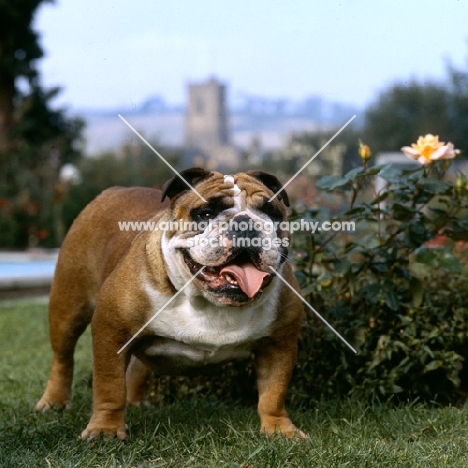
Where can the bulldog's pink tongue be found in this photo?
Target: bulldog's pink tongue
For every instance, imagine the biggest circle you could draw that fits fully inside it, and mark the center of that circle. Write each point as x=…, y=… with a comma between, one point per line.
x=247, y=276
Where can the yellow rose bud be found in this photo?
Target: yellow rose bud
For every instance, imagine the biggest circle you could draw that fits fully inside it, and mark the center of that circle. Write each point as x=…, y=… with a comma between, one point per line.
x=364, y=151
x=461, y=183
x=326, y=283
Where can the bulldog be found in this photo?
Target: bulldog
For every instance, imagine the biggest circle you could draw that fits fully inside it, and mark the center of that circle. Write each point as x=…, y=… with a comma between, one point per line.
x=196, y=285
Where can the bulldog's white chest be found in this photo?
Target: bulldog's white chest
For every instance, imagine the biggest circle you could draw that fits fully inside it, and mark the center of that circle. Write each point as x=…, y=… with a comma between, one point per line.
x=196, y=332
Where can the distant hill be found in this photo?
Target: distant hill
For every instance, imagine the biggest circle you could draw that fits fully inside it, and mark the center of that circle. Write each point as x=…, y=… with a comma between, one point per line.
x=272, y=121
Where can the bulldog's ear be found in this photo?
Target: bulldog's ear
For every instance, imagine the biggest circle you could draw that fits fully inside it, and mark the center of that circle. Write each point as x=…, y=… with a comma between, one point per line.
x=272, y=183
x=177, y=185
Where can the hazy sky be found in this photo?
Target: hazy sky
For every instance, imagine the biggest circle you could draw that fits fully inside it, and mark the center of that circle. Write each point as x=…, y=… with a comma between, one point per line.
x=109, y=53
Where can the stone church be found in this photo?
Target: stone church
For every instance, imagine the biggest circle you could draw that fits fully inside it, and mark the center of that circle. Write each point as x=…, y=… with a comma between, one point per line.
x=207, y=142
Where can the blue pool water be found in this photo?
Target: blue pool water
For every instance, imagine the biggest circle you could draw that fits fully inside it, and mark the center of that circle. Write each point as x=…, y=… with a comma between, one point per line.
x=33, y=269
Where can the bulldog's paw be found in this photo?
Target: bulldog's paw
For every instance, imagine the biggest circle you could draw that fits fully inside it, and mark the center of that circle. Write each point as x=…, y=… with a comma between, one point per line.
x=48, y=403
x=93, y=431
x=138, y=403
x=283, y=427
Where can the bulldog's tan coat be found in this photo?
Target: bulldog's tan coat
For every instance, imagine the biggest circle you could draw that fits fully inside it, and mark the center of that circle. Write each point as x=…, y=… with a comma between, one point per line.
x=119, y=280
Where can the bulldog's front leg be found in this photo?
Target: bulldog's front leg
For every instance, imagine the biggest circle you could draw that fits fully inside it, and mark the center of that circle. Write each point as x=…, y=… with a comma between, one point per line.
x=109, y=391
x=275, y=363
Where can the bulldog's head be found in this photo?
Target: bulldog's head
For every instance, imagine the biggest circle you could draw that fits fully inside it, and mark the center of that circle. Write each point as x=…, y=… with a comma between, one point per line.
x=234, y=234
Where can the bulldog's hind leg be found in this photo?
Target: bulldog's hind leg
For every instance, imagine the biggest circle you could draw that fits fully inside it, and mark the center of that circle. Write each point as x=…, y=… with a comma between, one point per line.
x=137, y=378
x=69, y=314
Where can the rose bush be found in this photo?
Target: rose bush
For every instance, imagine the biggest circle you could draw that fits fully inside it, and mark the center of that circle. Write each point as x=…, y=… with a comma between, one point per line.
x=396, y=289
x=402, y=303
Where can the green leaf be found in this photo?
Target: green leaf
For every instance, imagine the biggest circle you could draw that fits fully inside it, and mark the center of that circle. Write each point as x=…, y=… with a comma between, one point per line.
x=312, y=287
x=389, y=295
x=369, y=241
x=438, y=211
x=402, y=212
x=354, y=173
x=380, y=198
x=400, y=345
x=417, y=233
x=417, y=291
x=421, y=271
x=372, y=171
x=434, y=185
x=433, y=365
x=459, y=230
x=372, y=292
x=414, y=175
x=331, y=182
x=356, y=210
x=402, y=195
x=391, y=300
x=449, y=262
x=380, y=267
x=390, y=173
x=342, y=265
x=425, y=255
x=301, y=278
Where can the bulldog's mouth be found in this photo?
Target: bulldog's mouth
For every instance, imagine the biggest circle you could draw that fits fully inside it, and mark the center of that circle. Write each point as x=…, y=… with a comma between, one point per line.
x=239, y=277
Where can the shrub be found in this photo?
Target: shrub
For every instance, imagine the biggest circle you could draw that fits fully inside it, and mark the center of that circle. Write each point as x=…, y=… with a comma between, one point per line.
x=401, y=301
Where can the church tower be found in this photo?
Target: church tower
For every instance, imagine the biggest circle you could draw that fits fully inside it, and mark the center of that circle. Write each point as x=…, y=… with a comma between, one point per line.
x=206, y=128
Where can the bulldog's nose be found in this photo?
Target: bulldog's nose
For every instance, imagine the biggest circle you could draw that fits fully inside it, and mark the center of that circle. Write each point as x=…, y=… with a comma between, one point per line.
x=243, y=227
x=246, y=238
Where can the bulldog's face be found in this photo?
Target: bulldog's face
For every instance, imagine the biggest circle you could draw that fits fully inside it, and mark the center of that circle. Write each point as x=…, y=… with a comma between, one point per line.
x=235, y=234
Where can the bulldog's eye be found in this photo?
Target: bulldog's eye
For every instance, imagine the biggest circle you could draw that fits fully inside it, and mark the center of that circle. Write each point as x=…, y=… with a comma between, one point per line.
x=204, y=214
x=215, y=206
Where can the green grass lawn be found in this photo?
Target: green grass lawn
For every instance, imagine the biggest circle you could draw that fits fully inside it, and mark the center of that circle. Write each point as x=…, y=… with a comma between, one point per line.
x=202, y=434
